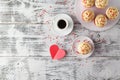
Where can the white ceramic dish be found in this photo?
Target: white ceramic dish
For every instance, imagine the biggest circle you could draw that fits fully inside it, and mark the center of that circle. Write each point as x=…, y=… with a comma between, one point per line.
x=79, y=8
x=79, y=40
x=66, y=31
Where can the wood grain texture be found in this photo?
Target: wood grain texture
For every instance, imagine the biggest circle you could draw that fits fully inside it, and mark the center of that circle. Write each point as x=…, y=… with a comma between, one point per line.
x=26, y=34
x=36, y=68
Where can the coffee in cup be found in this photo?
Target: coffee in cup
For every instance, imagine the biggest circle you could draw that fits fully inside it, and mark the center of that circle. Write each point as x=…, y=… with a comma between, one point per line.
x=62, y=24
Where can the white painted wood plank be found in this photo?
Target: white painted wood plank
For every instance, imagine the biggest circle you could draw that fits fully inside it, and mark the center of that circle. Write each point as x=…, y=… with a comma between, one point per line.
x=34, y=68
x=90, y=69
x=37, y=10
x=22, y=69
x=35, y=39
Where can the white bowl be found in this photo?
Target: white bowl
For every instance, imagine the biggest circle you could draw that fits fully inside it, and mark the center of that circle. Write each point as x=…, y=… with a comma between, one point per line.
x=76, y=43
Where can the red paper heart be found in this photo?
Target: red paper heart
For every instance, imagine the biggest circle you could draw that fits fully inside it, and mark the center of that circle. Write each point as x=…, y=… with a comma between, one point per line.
x=57, y=53
x=53, y=50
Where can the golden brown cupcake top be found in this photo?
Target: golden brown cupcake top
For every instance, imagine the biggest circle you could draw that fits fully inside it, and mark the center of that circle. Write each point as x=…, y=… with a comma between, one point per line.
x=100, y=20
x=88, y=15
x=101, y=3
x=84, y=48
x=88, y=3
x=112, y=13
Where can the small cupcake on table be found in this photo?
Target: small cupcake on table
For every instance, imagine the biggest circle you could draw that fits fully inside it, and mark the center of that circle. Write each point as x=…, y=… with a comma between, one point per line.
x=84, y=48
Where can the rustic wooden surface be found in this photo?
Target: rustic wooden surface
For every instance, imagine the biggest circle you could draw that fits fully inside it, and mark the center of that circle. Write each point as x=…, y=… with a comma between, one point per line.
x=25, y=37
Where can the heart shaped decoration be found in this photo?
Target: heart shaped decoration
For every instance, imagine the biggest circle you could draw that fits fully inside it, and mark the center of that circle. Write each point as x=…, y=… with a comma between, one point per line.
x=56, y=53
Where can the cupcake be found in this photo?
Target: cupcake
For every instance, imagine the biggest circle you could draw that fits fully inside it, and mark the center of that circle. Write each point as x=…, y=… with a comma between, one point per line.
x=100, y=20
x=88, y=15
x=84, y=48
x=88, y=3
x=112, y=13
x=101, y=3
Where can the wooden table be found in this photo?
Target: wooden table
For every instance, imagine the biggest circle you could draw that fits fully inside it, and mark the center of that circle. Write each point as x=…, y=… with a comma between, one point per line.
x=25, y=37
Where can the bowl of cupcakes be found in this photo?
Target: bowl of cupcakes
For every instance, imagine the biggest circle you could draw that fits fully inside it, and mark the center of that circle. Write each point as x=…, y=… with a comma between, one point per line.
x=97, y=15
x=83, y=46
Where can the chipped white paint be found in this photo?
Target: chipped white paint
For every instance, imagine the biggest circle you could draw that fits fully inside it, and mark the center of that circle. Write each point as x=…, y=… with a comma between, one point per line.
x=25, y=37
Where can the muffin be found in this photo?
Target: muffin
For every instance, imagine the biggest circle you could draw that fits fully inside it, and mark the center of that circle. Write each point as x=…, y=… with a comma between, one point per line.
x=88, y=3
x=88, y=15
x=84, y=48
x=101, y=3
x=112, y=13
x=100, y=20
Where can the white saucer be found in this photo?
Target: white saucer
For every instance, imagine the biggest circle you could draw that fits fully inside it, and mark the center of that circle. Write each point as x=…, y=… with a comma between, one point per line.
x=79, y=40
x=79, y=8
x=66, y=31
